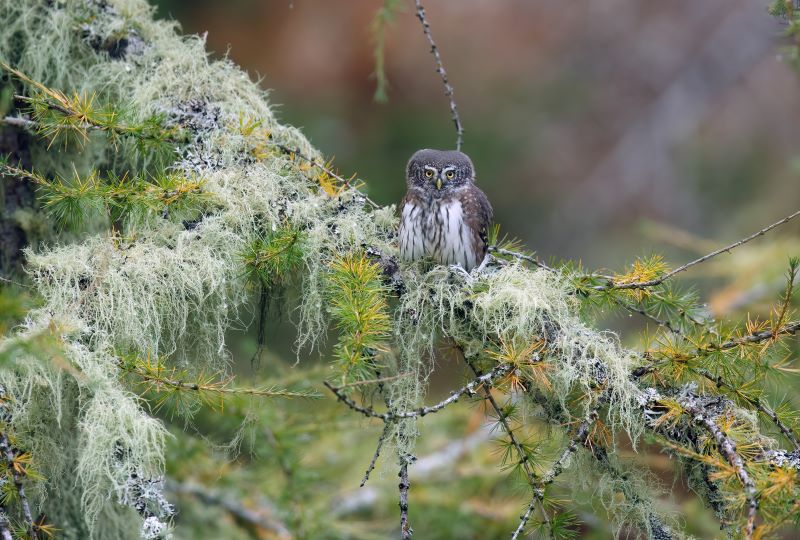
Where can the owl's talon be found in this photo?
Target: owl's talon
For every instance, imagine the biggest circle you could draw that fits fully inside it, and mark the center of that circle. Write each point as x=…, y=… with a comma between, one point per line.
x=458, y=269
x=481, y=267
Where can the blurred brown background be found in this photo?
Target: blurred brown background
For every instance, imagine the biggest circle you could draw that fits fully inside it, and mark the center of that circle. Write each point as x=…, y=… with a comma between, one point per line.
x=585, y=120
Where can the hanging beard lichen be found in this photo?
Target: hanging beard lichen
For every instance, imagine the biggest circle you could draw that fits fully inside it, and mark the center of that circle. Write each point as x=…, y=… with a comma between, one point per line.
x=171, y=276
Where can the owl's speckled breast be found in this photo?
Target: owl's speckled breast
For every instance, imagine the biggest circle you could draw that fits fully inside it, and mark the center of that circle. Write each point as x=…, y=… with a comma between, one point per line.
x=436, y=229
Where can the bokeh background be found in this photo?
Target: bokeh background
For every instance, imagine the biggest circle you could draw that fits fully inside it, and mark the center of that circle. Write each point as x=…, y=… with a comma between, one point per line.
x=601, y=131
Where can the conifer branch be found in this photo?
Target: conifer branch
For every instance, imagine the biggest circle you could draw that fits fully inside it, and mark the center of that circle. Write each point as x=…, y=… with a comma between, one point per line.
x=158, y=378
x=470, y=389
x=668, y=275
x=727, y=447
x=578, y=439
x=756, y=402
x=80, y=114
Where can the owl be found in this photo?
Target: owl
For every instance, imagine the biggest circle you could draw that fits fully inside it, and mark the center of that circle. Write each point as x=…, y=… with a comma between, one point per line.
x=444, y=215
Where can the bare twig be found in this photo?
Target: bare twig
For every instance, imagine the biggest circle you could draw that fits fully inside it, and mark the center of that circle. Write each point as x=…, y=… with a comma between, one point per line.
x=522, y=256
x=524, y=518
x=533, y=480
x=17, y=121
x=384, y=435
x=665, y=277
x=470, y=389
x=448, y=89
x=379, y=381
x=405, y=529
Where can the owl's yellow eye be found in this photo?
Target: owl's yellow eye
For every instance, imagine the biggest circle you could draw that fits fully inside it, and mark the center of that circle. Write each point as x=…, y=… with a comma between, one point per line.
x=450, y=175
x=428, y=173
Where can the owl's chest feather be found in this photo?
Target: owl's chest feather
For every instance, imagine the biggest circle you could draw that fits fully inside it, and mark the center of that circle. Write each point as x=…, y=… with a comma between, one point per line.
x=436, y=229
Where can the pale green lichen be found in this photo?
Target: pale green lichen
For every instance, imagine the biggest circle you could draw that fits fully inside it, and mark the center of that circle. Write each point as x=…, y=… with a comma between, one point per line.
x=514, y=302
x=161, y=289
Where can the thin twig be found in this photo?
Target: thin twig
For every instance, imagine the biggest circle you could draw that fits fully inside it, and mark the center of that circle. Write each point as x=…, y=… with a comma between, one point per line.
x=787, y=329
x=523, y=257
x=17, y=121
x=523, y=519
x=293, y=151
x=448, y=89
x=662, y=279
x=405, y=528
x=470, y=389
x=533, y=480
x=379, y=381
x=580, y=437
x=384, y=435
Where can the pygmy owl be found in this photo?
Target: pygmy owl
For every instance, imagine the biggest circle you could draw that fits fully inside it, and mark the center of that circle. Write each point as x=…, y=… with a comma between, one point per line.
x=444, y=215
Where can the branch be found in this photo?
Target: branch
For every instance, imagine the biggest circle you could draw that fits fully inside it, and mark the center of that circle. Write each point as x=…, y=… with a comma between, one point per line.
x=727, y=447
x=390, y=415
x=580, y=437
x=756, y=402
x=787, y=329
x=5, y=532
x=448, y=89
x=533, y=481
x=662, y=279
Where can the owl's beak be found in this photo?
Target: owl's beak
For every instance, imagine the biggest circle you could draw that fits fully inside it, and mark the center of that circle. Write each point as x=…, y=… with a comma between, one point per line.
x=439, y=182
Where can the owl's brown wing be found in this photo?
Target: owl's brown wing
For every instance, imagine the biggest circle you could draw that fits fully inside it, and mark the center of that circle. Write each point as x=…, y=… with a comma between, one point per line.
x=478, y=215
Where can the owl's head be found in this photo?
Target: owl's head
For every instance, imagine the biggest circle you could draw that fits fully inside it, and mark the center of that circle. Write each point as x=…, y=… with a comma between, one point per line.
x=439, y=171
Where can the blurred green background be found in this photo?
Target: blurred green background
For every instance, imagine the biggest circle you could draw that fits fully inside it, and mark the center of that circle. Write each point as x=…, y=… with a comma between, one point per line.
x=600, y=130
